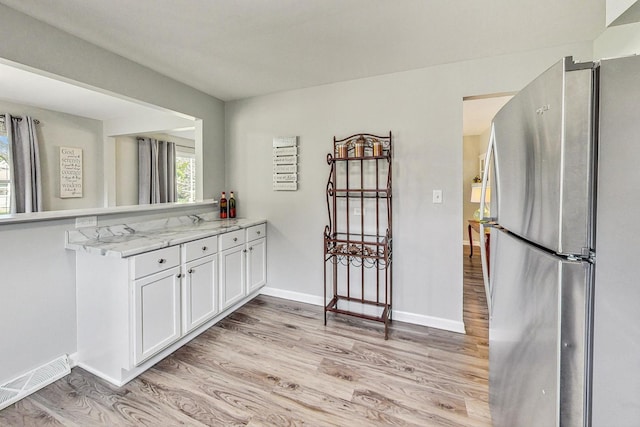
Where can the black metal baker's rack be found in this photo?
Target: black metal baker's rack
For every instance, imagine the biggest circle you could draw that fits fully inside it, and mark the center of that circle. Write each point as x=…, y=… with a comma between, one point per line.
x=358, y=239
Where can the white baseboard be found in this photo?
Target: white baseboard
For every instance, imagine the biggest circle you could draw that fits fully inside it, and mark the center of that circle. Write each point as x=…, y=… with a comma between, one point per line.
x=73, y=360
x=430, y=321
x=102, y=375
x=292, y=296
x=402, y=316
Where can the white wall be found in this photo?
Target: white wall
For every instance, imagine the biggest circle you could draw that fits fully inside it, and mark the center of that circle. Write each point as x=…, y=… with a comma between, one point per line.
x=423, y=109
x=622, y=40
x=615, y=8
x=65, y=130
x=37, y=288
x=37, y=296
x=472, y=147
x=126, y=170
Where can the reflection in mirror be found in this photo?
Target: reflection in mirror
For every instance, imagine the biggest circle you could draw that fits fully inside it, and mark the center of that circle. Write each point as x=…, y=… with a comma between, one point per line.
x=21, y=156
x=5, y=172
x=57, y=129
x=102, y=126
x=127, y=166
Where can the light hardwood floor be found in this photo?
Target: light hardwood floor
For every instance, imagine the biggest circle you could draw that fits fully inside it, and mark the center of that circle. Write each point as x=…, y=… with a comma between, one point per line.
x=273, y=362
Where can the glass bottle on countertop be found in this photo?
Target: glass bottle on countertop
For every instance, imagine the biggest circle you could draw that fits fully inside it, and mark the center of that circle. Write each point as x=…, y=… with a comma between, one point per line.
x=232, y=206
x=223, y=206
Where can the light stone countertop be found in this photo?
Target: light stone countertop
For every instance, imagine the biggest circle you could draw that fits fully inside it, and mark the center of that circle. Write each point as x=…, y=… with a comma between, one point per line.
x=124, y=240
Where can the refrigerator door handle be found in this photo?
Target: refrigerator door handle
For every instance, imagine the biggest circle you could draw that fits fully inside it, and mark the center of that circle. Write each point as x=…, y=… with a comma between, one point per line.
x=485, y=176
x=484, y=220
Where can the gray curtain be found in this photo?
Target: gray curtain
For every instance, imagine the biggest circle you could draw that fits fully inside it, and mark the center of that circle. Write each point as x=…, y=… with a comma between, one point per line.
x=156, y=171
x=26, y=186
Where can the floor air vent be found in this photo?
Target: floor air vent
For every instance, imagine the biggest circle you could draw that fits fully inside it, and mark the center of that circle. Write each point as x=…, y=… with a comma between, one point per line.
x=33, y=381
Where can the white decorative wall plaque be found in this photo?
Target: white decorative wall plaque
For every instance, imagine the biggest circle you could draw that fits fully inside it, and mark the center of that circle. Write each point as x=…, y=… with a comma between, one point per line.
x=285, y=168
x=70, y=172
x=285, y=186
x=285, y=160
x=285, y=177
x=285, y=163
x=285, y=151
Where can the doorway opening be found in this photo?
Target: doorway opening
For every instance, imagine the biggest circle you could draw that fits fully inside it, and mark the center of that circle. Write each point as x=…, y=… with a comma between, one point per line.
x=478, y=112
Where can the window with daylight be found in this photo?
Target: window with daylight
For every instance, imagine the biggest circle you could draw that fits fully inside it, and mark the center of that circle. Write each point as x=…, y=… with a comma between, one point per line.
x=185, y=174
x=5, y=172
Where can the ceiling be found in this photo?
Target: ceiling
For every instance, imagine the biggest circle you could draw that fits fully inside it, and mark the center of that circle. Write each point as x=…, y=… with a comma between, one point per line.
x=477, y=113
x=240, y=48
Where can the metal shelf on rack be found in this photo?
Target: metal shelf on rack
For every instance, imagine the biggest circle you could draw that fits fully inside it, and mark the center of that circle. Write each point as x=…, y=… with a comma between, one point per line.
x=371, y=310
x=342, y=245
x=344, y=159
x=365, y=194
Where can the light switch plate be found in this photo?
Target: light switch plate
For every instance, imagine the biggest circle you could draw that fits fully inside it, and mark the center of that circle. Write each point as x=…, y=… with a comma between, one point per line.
x=437, y=196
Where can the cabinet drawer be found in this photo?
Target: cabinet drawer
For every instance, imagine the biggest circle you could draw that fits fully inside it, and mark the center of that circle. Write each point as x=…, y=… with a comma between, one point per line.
x=229, y=240
x=200, y=248
x=256, y=232
x=155, y=261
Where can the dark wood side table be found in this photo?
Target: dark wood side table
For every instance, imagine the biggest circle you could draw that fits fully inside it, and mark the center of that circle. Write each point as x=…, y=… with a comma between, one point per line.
x=475, y=225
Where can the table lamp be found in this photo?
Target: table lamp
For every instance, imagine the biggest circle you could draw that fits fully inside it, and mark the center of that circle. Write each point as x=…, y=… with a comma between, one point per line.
x=476, y=193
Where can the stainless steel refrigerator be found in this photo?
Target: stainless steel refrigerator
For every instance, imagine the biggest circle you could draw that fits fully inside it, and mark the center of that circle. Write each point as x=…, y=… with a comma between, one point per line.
x=564, y=288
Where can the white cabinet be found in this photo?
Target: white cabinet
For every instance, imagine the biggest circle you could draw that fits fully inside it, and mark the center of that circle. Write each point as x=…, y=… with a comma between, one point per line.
x=133, y=311
x=156, y=319
x=128, y=310
x=200, y=283
x=243, y=263
x=232, y=275
x=256, y=264
x=156, y=301
x=154, y=261
x=256, y=232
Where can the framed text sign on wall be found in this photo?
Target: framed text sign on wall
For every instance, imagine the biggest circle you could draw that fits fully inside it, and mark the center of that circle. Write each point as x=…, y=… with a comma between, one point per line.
x=285, y=163
x=70, y=172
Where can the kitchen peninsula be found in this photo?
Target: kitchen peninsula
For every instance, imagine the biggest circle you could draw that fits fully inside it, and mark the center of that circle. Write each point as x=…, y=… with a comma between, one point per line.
x=145, y=289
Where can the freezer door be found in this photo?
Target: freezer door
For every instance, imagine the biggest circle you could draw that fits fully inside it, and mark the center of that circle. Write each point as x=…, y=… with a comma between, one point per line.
x=543, y=153
x=538, y=336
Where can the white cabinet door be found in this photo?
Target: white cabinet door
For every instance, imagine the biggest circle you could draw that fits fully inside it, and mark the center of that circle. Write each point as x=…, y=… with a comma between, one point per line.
x=256, y=264
x=200, y=292
x=232, y=275
x=156, y=319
